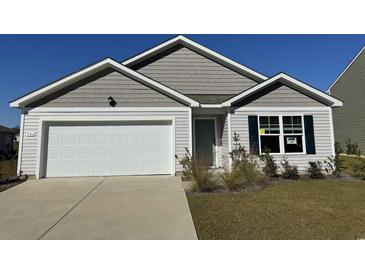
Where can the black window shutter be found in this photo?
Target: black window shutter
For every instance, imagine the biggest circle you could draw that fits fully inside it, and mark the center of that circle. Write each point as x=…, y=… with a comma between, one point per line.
x=310, y=143
x=253, y=135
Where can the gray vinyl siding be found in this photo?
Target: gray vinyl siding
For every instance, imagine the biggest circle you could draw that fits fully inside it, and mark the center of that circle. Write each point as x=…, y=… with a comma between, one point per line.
x=349, y=120
x=32, y=123
x=322, y=133
x=94, y=93
x=191, y=73
x=280, y=96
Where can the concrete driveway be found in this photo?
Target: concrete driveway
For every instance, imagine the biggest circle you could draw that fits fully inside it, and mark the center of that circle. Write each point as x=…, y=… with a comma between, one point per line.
x=138, y=207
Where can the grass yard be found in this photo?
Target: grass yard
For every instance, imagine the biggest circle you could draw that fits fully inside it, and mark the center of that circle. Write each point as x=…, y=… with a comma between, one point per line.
x=329, y=209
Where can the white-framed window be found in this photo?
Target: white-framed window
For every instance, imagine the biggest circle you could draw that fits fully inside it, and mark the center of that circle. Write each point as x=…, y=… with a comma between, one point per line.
x=269, y=134
x=281, y=134
x=293, y=134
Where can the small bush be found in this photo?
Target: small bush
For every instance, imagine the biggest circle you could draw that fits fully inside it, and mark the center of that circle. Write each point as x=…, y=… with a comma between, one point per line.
x=186, y=163
x=289, y=171
x=249, y=174
x=334, y=164
x=359, y=170
x=352, y=148
x=202, y=177
x=315, y=170
x=238, y=153
x=230, y=179
x=198, y=172
x=270, y=168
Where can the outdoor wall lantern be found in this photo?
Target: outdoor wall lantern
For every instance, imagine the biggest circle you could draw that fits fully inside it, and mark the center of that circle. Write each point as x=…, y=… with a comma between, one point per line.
x=111, y=101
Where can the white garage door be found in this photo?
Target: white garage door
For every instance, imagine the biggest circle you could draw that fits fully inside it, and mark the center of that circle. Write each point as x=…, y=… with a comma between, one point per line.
x=109, y=149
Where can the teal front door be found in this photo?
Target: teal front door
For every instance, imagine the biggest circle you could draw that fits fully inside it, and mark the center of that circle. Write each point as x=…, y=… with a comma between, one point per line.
x=205, y=141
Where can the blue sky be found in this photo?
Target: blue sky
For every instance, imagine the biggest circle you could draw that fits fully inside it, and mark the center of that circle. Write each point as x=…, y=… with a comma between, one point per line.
x=28, y=62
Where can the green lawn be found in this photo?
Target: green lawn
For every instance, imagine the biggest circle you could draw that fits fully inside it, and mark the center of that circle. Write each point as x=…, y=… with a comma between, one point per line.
x=288, y=210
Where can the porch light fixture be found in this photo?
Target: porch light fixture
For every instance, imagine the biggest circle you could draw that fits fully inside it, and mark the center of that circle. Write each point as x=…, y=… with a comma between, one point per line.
x=111, y=101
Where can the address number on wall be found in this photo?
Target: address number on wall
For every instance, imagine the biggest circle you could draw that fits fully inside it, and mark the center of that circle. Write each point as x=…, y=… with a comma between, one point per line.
x=30, y=133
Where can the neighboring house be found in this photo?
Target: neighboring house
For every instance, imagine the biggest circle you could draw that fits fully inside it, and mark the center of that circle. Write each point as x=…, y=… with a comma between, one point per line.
x=7, y=138
x=132, y=118
x=349, y=121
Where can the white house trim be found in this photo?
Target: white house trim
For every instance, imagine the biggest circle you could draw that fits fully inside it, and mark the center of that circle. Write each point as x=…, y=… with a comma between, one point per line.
x=20, y=148
x=108, y=109
x=191, y=131
x=106, y=63
x=286, y=79
x=200, y=49
x=211, y=105
x=281, y=134
x=229, y=138
x=255, y=109
x=44, y=120
x=345, y=69
x=332, y=133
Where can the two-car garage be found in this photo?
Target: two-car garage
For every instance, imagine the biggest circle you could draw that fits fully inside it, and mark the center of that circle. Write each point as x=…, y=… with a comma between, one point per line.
x=82, y=148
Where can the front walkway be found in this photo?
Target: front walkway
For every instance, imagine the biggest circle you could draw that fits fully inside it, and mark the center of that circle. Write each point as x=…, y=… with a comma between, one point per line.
x=138, y=207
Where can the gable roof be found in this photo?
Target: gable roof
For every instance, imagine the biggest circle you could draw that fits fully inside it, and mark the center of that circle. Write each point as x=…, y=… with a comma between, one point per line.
x=182, y=40
x=290, y=81
x=106, y=63
x=346, y=68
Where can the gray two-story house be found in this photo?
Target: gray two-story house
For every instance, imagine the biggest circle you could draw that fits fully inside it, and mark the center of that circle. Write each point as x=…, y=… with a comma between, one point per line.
x=349, y=87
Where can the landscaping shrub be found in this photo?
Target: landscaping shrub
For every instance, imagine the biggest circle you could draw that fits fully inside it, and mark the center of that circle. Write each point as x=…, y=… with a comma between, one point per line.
x=198, y=173
x=334, y=164
x=270, y=168
x=352, y=148
x=249, y=173
x=359, y=170
x=238, y=153
x=186, y=163
x=230, y=179
x=203, y=178
x=315, y=170
x=289, y=171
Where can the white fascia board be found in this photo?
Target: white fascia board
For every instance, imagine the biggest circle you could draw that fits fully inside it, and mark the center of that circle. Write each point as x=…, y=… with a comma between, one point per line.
x=93, y=69
x=211, y=106
x=199, y=48
x=290, y=80
x=345, y=69
x=106, y=109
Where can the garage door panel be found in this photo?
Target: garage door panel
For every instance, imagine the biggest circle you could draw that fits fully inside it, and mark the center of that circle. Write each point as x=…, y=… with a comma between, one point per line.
x=68, y=168
x=101, y=167
x=101, y=152
x=86, y=139
x=85, y=153
x=115, y=149
x=85, y=167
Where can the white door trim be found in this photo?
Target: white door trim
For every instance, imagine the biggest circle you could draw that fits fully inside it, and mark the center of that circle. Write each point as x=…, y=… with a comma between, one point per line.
x=215, y=164
x=40, y=172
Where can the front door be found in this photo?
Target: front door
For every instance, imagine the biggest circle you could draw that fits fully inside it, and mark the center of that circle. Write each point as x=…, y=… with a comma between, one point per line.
x=205, y=141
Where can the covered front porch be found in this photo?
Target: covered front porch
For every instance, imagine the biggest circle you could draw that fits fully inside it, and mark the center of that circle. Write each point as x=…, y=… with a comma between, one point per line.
x=210, y=136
